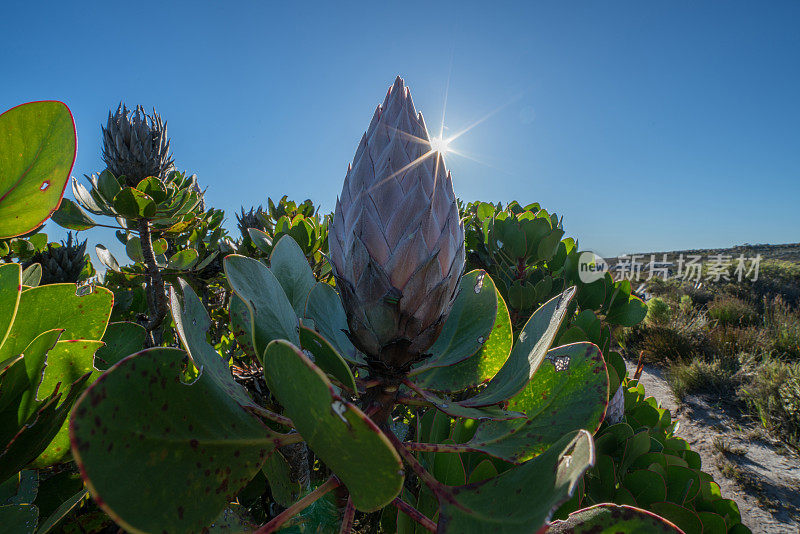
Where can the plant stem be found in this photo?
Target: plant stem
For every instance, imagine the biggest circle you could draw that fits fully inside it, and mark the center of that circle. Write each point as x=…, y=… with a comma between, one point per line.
x=349, y=516
x=437, y=447
x=158, y=301
x=435, y=486
x=414, y=514
x=412, y=401
x=299, y=506
x=272, y=416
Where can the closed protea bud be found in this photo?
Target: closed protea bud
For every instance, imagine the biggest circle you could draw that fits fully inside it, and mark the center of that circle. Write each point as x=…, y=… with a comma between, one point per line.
x=62, y=264
x=396, y=240
x=250, y=219
x=135, y=145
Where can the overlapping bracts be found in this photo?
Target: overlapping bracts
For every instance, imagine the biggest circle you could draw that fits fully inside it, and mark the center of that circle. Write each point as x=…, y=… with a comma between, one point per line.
x=396, y=243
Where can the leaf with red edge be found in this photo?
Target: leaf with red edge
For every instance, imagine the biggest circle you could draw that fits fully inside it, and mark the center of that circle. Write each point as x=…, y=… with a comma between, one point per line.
x=568, y=392
x=38, y=145
x=183, y=450
x=522, y=498
x=613, y=519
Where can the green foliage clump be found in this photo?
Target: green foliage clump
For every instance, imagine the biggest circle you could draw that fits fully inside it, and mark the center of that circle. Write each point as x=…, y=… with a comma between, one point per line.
x=642, y=463
x=232, y=392
x=732, y=311
x=658, y=311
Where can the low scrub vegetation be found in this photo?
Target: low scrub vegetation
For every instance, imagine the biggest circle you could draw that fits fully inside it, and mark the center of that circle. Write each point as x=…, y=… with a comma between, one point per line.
x=740, y=342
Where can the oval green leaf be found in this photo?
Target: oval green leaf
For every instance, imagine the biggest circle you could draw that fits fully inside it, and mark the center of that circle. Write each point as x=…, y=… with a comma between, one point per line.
x=37, y=150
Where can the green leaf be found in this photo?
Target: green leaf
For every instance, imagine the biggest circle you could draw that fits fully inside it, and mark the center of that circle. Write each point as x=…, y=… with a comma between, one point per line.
x=106, y=258
x=21, y=376
x=26, y=484
x=327, y=358
x=613, y=519
x=121, y=340
x=271, y=313
x=152, y=187
x=133, y=248
x=483, y=471
x=568, y=392
x=10, y=291
x=68, y=362
x=57, y=306
x=283, y=489
x=470, y=322
x=19, y=518
x=185, y=450
x=290, y=267
x=183, y=260
x=261, y=240
x=36, y=435
x=32, y=275
x=193, y=324
x=684, y=518
x=338, y=432
x=70, y=216
x=57, y=489
x=478, y=368
x=324, y=307
x=241, y=326
x=529, y=350
x=37, y=150
x=61, y=512
x=497, y=506
x=646, y=486
x=108, y=186
x=448, y=468
x=133, y=204
x=160, y=246
x=629, y=312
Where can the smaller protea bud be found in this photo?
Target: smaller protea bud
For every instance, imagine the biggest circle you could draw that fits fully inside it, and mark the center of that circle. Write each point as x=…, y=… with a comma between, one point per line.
x=62, y=264
x=136, y=145
x=250, y=219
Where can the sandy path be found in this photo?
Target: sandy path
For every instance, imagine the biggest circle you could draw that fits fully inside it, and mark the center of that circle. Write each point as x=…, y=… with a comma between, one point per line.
x=768, y=486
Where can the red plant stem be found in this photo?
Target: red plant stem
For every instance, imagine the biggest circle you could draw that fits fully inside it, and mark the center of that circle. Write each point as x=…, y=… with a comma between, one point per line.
x=414, y=514
x=412, y=401
x=437, y=447
x=349, y=516
x=366, y=384
x=272, y=416
x=287, y=439
x=436, y=487
x=299, y=506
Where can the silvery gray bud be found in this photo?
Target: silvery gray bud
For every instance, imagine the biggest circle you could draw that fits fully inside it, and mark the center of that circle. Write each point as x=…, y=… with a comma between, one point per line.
x=396, y=240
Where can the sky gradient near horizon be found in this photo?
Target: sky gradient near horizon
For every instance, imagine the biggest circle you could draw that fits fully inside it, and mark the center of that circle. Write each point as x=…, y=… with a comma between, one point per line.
x=648, y=126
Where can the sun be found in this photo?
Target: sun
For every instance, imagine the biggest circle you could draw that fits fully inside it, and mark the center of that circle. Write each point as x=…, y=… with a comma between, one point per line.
x=440, y=145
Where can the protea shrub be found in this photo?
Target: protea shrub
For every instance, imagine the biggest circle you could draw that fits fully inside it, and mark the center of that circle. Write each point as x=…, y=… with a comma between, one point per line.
x=396, y=241
x=405, y=381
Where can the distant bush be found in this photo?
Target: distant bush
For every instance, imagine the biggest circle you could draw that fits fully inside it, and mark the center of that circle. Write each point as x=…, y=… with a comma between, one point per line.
x=778, y=278
x=686, y=305
x=732, y=311
x=771, y=388
x=783, y=325
x=658, y=311
x=701, y=375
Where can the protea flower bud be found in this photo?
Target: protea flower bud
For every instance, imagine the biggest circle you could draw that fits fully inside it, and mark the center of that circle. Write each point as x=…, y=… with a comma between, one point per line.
x=396, y=240
x=62, y=264
x=135, y=145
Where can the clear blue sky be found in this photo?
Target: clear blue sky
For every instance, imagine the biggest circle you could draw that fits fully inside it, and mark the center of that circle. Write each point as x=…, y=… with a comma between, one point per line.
x=649, y=126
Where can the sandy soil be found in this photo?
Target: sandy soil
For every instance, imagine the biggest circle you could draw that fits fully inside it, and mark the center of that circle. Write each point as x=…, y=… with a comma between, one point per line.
x=760, y=474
